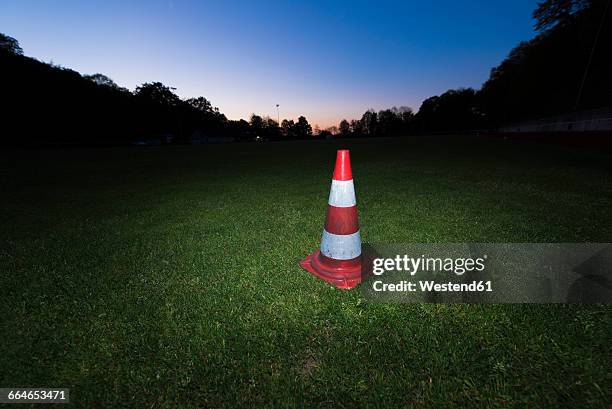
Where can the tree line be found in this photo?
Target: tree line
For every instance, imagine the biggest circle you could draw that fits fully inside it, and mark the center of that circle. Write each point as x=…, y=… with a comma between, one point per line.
x=565, y=67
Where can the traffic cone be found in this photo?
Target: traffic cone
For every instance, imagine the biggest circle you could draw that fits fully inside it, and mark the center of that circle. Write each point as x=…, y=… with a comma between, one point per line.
x=339, y=259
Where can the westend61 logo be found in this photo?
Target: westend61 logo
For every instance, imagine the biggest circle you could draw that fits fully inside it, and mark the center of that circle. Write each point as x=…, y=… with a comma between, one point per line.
x=431, y=264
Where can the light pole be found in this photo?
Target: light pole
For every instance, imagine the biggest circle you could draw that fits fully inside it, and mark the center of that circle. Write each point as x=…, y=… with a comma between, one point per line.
x=277, y=115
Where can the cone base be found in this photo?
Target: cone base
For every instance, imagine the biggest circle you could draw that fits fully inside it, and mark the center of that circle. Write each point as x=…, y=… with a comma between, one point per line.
x=344, y=274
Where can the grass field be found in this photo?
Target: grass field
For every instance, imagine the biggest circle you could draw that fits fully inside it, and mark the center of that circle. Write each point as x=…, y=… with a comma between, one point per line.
x=169, y=277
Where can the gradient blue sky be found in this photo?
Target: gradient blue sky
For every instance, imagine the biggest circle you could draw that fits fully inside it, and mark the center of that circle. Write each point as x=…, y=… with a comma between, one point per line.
x=326, y=60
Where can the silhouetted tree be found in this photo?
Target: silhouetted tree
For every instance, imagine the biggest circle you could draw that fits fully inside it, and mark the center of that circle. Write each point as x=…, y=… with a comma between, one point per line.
x=303, y=128
x=389, y=122
x=357, y=127
x=369, y=122
x=288, y=129
x=324, y=134
x=239, y=130
x=405, y=113
x=333, y=130
x=552, y=12
x=49, y=104
x=257, y=125
x=454, y=110
x=101, y=79
x=201, y=104
x=10, y=45
x=344, y=128
x=271, y=129
x=158, y=93
x=565, y=67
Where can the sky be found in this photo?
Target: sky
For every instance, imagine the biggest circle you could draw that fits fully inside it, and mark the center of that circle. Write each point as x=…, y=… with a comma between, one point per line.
x=324, y=60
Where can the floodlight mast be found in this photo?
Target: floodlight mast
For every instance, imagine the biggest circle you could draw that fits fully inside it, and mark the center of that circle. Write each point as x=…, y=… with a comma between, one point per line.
x=277, y=115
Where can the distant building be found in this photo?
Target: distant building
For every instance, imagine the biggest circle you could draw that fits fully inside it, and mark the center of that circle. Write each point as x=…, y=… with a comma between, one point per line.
x=198, y=137
x=583, y=121
x=167, y=138
x=220, y=139
x=147, y=142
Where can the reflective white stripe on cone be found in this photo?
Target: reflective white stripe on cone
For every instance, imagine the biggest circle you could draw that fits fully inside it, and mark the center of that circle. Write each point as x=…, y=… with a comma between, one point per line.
x=341, y=247
x=342, y=193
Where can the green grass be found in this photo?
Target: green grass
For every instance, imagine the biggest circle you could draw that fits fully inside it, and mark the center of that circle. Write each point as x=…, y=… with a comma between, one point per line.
x=169, y=277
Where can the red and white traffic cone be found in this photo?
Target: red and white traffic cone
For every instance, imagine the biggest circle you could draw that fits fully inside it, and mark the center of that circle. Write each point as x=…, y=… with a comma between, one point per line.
x=339, y=260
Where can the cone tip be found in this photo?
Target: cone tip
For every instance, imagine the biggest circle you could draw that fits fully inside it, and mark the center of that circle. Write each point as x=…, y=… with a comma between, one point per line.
x=342, y=171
